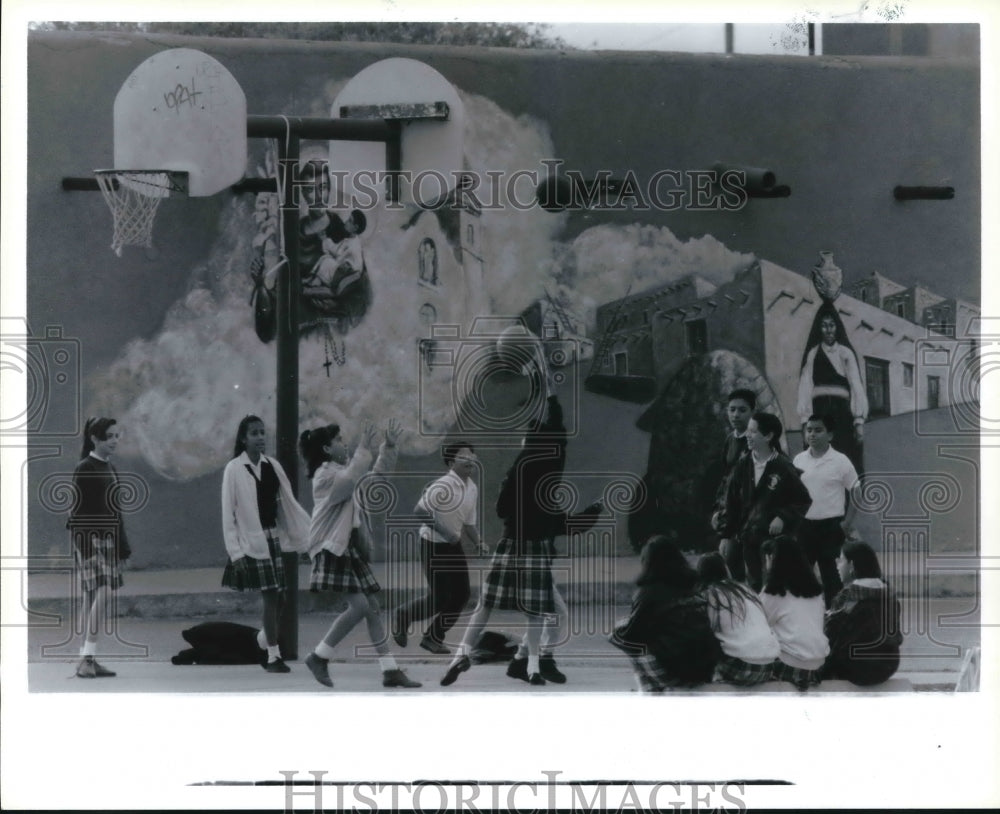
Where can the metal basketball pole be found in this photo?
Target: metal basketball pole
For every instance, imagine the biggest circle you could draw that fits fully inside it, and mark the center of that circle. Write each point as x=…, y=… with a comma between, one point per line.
x=288, y=132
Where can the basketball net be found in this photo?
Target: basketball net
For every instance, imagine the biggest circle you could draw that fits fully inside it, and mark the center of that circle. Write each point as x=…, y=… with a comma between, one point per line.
x=133, y=197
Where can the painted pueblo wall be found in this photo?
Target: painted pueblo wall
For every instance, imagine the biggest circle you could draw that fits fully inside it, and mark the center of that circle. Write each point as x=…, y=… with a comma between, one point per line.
x=162, y=337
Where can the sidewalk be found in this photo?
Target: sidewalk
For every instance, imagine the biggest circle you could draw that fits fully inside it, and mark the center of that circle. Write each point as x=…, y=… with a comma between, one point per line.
x=197, y=592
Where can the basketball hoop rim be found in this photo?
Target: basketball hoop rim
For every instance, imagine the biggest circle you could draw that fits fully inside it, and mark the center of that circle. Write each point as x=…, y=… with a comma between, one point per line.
x=177, y=179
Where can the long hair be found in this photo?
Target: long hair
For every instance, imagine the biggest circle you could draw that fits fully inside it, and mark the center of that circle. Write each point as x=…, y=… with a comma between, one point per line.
x=722, y=593
x=769, y=424
x=862, y=556
x=662, y=563
x=241, y=434
x=311, y=444
x=97, y=427
x=827, y=309
x=790, y=571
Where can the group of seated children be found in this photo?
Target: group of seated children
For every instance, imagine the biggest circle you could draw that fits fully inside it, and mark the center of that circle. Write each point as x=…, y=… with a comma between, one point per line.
x=757, y=611
x=689, y=626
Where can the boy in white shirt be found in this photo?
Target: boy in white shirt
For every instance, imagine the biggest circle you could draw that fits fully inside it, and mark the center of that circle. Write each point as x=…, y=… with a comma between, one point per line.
x=830, y=478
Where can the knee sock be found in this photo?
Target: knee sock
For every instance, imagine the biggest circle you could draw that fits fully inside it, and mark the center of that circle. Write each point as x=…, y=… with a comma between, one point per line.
x=387, y=663
x=532, y=664
x=273, y=652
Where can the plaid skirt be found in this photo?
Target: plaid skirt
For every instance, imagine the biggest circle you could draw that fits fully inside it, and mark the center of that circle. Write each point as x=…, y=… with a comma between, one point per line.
x=100, y=568
x=348, y=573
x=520, y=577
x=801, y=678
x=736, y=671
x=261, y=575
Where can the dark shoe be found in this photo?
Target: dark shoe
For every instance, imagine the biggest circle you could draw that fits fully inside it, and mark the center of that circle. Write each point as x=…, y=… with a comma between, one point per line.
x=101, y=671
x=319, y=667
x=277, y=666
x=397, y=678
x=398, y=632
x=548, y=670
x=86, y=668
x=518, y=668
x=455, y=670
x=434, y=647
x=536, y=680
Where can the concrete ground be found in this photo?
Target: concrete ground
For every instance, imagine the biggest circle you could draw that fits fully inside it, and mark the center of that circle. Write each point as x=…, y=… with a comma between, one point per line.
x=937, y=636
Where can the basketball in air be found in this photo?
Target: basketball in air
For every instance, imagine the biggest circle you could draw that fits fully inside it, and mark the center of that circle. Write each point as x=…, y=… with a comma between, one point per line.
x=516, y=346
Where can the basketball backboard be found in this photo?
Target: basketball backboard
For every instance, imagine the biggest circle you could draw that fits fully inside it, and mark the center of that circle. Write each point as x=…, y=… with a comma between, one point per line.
x=182, y=110
x=432, y=121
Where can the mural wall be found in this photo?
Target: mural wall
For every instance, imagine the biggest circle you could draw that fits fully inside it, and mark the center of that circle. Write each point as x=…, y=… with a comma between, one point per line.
x=168, y=342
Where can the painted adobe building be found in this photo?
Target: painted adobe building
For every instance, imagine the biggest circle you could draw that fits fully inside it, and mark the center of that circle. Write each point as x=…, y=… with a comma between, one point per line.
x=764, y=314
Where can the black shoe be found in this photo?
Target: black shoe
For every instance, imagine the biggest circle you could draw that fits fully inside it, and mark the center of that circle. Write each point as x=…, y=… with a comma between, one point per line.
x=319, y=667
x=434, y=647
x=397, y=678
x=536, y=680
x=277, y=666
x=101, y=671
x=455, y=670
x=518, y=668
x=398, y=632
x=548, y=670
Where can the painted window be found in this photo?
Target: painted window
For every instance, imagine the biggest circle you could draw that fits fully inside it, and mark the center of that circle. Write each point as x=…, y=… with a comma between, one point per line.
x=907, y=375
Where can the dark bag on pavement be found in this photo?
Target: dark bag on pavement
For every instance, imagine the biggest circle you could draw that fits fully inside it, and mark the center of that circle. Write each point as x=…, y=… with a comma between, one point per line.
x=220, y=643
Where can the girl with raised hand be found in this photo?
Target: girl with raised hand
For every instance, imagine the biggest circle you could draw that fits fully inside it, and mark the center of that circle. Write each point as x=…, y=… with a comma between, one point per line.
x=260, y=519
x=863, y=621
x=793, y=604
x=98, y=535
x=749, y=646
x=337, y=540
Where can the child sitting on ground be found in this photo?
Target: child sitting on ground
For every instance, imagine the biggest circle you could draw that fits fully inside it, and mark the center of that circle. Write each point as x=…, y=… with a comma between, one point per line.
x=749, y=646
x=793, y=604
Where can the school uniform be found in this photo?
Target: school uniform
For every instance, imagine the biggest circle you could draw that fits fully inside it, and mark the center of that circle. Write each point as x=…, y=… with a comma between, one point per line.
x=863, y=626
x=260, y=519
x=338, y=529
x=97, y=532
x=749, y=646
x=755, y=495
x=821, y=534
x=797, y=623
x=668, y=639
x=453, y=502
x=520, y=574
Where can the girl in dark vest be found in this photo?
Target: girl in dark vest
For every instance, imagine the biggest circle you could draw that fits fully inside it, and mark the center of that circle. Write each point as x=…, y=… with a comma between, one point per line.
x=98, y=534
x=260, y=517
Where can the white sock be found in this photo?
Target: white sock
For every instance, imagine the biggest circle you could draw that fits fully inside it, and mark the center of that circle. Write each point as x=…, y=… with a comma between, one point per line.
x=273, y=653
x=532, y=664
x=89, y=648
x=387, y=662
x=324, y=651
x=261, y=640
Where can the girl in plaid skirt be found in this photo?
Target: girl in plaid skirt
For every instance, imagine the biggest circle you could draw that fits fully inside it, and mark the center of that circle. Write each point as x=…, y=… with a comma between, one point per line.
x=749, y=646
x=667, y=634
x=794, y=606
x=337, y=541
x=520, y=574
x=97, y=534
x=260, y=516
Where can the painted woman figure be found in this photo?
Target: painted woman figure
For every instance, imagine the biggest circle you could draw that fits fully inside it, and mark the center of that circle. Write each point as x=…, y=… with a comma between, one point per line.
x=830, y=384
x=98, y=535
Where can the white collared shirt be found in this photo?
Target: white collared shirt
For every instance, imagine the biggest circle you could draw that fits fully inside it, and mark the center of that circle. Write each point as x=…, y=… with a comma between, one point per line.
x=826, y=478
x=453, y=502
